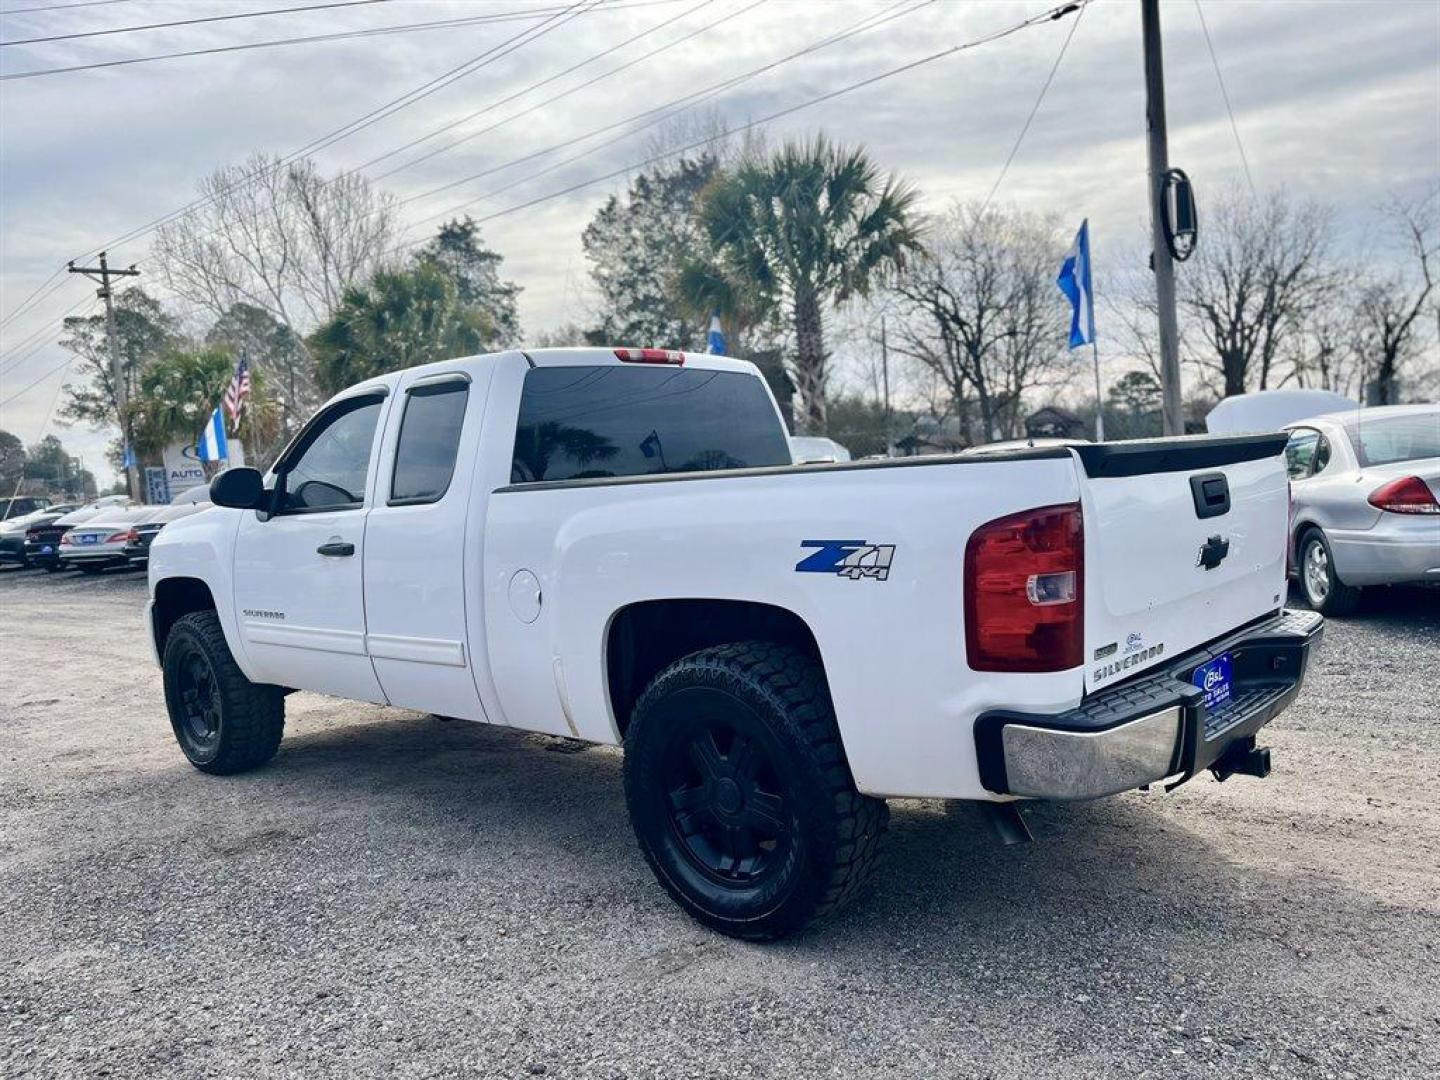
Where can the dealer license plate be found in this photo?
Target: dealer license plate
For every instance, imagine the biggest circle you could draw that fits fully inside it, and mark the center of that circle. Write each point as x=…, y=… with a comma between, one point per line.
x=1214, y=678
x=47, y=550
x=92, y=538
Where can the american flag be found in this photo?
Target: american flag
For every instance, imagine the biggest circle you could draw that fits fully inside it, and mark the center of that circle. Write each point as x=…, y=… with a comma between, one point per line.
x=237, y=392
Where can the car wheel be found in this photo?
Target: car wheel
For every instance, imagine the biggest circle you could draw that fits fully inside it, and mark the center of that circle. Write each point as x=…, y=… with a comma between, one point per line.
x=52, y=568
x=91, y=568
x=740, y=795
x=1323, y=590
x=223, y=722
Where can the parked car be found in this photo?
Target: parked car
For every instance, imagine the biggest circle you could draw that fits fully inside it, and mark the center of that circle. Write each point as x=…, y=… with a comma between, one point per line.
x=1270, y=410
x=93, y=545
x=12, y=532
x=21, y=505
x=614, y=546
x=816, y=450
x=42, y=542
x=1365, y=485
x=142, y=534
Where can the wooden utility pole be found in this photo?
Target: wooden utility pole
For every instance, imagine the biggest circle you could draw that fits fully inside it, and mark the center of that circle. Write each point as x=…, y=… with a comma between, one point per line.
x=103, y=274
x=1173, y=412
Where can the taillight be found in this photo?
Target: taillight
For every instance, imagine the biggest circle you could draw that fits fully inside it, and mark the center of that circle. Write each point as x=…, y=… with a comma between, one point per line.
x=66, y=539
x=128, y=537
x=651, y=356
x=1024, y=591
x=1408, y=495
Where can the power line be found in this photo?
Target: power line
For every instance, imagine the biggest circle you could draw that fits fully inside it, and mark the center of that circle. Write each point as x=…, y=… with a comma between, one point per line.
x=391, y=107
x=662, y=112
x=901, y=69
x=536, y=85
x=342, y=35
x=24, y=304
x=63, y=7
x=41, y=330
x=1025, y=128
x=1234, y=127
x=192, y=22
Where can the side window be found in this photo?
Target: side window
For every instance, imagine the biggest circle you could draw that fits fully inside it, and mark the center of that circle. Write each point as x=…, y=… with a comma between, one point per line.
x=429, y=440
x=1322, y=455
x=1300, y=452
x=327, y=469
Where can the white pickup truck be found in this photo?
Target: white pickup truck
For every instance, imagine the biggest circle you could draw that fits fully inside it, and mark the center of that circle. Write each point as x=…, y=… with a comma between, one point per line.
x=614, y=546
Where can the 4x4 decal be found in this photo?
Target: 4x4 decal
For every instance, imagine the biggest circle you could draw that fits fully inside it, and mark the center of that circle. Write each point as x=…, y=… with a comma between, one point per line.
x=853, y=559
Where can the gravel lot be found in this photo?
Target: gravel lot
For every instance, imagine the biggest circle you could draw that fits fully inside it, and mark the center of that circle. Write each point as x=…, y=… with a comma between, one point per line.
x=397, y=895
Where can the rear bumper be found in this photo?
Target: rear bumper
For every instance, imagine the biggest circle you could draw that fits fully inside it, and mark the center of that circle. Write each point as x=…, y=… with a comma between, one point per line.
x=1153, y=727
x=1401, y=548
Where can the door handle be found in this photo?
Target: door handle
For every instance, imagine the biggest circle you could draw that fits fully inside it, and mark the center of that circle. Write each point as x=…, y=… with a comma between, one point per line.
x=336, y=549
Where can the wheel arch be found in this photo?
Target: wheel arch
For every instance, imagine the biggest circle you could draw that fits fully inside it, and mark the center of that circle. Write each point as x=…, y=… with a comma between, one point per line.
x=176, y=597
x=643, y=638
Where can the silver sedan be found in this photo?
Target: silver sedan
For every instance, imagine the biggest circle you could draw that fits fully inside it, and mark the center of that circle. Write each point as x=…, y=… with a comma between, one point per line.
x=1365, y=490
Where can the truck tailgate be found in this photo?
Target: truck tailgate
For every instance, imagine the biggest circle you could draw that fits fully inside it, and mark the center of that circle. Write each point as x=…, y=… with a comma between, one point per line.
x=1185, y=540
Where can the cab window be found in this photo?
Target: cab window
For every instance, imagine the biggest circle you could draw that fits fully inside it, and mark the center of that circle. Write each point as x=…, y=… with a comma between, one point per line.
x=429, y=442
x=579, y=423
x=326, y=469
x=1300, y=452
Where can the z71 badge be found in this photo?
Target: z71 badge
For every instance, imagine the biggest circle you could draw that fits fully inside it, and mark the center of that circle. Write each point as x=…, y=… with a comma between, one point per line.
x=853, y=559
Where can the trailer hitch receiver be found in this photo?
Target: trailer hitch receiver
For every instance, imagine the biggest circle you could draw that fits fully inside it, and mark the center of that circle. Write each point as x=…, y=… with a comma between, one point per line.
x=1244, y=758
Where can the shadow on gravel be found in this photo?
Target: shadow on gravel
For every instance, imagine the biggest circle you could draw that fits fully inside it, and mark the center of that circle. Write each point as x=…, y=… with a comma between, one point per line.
x=1119, y=875
x=1403, y=607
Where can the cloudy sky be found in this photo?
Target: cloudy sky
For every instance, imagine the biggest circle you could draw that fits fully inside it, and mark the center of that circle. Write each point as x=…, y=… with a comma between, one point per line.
x=1340, y=100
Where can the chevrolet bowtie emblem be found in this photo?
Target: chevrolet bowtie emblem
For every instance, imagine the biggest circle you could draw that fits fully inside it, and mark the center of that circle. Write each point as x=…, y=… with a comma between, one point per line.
x=1213, y=552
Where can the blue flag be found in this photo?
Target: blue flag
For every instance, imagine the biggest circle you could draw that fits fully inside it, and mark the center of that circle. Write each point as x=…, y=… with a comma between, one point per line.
x=1074, y=282
x=211, y=445
x=717, y=336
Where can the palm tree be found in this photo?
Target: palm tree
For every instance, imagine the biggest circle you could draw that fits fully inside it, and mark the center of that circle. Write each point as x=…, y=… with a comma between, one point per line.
x=812, y=225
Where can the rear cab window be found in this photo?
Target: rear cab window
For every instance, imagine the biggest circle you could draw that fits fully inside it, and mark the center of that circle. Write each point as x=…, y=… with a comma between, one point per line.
x=591, y=422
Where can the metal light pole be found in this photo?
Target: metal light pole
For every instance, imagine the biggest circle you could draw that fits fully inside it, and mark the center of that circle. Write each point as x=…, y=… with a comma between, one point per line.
x=1173, y=414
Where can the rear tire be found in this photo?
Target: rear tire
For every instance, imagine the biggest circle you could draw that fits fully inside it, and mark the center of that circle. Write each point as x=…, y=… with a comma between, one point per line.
x=223, y=722
x=1323, y=589
x=91, y=568
x=740, y=795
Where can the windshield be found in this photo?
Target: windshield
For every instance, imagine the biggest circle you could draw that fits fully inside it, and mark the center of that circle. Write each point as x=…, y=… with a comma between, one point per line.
x=1385, y=440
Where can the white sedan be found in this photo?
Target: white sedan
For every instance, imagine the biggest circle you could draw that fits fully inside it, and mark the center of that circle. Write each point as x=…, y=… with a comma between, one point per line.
x=93, y=545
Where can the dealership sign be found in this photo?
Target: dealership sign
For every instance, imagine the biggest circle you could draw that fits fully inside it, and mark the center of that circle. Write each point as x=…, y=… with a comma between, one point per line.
x=184, y=469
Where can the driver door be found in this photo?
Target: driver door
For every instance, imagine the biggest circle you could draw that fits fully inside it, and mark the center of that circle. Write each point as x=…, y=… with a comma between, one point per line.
x=299, y=596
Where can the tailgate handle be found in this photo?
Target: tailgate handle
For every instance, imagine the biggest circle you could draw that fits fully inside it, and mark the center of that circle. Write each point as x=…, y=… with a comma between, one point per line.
x=1211, y=492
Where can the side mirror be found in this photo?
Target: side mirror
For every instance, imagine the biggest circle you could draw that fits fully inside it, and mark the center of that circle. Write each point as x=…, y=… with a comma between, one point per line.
x=239, y=489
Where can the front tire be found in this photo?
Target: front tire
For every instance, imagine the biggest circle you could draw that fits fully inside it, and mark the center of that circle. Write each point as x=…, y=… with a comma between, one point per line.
x=1323, y=589
x=740, y=795
x=223, y=722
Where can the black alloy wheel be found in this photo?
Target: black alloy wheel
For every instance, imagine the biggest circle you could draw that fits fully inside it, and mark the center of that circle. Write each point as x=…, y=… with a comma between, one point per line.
x=739, y=792
x=722, y=793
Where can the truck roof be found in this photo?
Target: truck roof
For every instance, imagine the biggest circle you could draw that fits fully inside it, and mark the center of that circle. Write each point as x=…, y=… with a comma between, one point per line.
x=569, y=357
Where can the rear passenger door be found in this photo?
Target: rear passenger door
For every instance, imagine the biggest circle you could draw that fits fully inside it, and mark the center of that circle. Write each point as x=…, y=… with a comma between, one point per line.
x=416, y=577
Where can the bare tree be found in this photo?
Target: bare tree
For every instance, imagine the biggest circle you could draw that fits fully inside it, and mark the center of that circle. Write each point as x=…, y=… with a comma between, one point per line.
x=278, y=237
x=983, y=315
x=1390, y=304
x=1263, y=261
